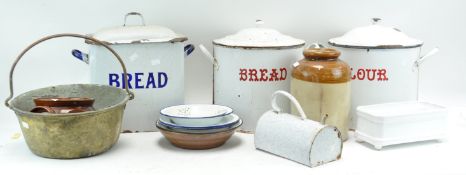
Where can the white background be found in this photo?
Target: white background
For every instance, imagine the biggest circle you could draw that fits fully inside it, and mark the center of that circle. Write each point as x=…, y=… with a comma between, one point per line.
x=438, y=23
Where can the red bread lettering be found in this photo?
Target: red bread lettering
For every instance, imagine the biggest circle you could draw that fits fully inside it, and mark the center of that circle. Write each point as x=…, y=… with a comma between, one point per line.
x=283, y=73
x=253, y=75
x=263, y=74
x=273, y=75
x=243, y=76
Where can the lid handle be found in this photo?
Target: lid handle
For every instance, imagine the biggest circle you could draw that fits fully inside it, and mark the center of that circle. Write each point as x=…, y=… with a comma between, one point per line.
x=295, y=102
x=259, y=23
x=376, y=20
x=143, y=22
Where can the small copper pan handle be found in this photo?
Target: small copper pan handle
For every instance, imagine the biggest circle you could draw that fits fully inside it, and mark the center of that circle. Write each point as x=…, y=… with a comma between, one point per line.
x=98, y=42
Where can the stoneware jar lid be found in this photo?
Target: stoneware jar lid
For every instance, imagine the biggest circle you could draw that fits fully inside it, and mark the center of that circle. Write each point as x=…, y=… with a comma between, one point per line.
x=375, y=36
x=321, y=53
x=259, y=37
x=138, y=33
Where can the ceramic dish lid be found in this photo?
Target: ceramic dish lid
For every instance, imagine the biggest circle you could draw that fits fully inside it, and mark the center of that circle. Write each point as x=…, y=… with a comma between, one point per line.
x=413, y=111
x=137, y=33
x=375, y=36
x=259, y=37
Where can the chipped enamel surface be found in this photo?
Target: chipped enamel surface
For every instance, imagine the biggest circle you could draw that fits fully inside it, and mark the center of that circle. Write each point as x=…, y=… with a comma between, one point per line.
x=259, y=37
x=138, y=34
x=375, y=36
x=297, y=138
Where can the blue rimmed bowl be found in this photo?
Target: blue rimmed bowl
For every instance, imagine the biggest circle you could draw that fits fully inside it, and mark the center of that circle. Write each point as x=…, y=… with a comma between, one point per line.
x=225, y=122
x=195, y=115
x=198, y=139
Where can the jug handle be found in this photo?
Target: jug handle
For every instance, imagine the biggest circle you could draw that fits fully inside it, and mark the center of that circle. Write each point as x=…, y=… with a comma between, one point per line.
x=125, y=78
x=295, y=102
x=210, y=56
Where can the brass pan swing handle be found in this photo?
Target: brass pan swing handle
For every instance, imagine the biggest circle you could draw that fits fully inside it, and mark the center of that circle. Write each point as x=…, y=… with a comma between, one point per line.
x=98, y=42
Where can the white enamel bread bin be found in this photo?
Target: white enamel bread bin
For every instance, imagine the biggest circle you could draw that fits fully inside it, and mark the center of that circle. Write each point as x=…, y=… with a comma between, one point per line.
x=400, y=122
x=154, y=56
x=249, y=66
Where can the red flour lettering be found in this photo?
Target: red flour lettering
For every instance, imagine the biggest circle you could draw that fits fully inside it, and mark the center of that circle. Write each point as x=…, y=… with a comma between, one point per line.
x=381, y=73
x=370, y=72
x=361, y=74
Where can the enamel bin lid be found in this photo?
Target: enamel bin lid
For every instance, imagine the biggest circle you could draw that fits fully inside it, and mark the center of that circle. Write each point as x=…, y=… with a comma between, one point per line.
x=127, y=34
x=259, y=37
x=375, y=36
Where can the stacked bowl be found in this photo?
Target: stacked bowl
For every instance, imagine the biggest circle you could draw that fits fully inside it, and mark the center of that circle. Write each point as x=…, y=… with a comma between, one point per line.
x=198, y=126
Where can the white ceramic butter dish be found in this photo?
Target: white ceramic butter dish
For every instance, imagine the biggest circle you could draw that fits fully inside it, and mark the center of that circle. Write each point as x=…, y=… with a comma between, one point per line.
x=400, y=122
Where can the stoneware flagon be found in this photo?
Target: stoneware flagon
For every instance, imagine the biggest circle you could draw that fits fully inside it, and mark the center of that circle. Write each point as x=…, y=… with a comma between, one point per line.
x=321, y=84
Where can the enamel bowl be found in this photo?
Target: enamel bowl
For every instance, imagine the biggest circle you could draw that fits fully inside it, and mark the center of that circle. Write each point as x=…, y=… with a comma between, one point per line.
x=196, y=115
x=198, y=139
x=225, y=122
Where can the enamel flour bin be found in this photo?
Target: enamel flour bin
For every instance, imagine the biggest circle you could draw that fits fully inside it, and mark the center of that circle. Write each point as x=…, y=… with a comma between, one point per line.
x=384, y=64
x=251, y=65
x=154, y=57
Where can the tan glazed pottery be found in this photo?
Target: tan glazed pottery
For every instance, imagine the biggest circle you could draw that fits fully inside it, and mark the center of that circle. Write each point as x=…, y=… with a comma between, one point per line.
x=197, y=141
x=321, y=84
